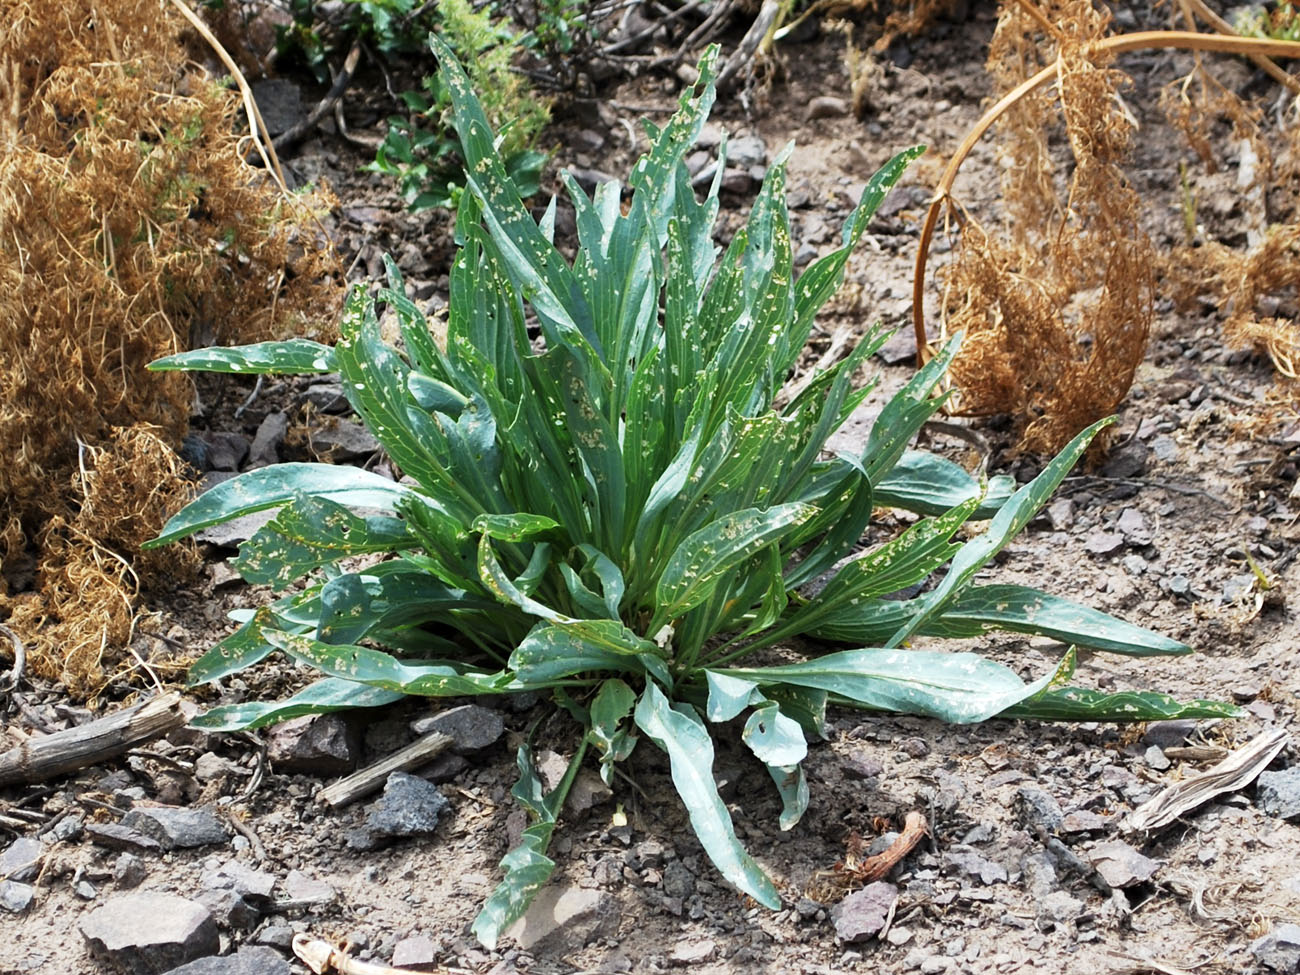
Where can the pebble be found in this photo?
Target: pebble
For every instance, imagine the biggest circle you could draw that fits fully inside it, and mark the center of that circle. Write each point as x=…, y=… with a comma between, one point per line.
x=1278, y=793
x=327, y=397
x=1122, y=866
x=471, y=726
x=249, y=960
x=320, y=744
x=827, y=106
x=1156, y=758
x=128, y=871
x=693, y=953
x=418, y=952
x=1169, y=734
x=1037, y=809
x=1133, y=526
x=746, y=151
x=253, y=885
x=300, y=887
x=177, y=827
x=967, y=861
x=149, y=933
x=228, y=909
x=1279, y=949
x=862, y=914
x=410, y=806
x=21, y=859
x=1103, y=542
x=115, y=836
x=565, y=918
x=341, y=440
x=15, y=897
x=265, y=448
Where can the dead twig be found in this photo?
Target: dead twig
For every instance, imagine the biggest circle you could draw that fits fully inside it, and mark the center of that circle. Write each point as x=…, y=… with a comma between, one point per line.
x=369, y=779
x=867, y=871
x=324, y=107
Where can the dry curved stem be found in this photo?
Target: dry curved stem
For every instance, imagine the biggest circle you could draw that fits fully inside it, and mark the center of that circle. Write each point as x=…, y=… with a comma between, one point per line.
x=256, y=127
x=20, y=657
x=1266, y=64
x=1140, y=41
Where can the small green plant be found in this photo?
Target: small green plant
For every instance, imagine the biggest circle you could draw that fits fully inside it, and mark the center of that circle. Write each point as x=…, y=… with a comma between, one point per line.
x=618, y=514
x=1282, y=23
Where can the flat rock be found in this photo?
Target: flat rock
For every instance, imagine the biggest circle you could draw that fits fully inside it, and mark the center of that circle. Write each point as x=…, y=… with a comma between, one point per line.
x=327, y=397
x=279, y=101
x=178, y=827
x=249, y=960
x=225, y=451
x=253, y=885
x=1122, y=866
x=300, y=887
x=863, y=914
x=1279, y=949
x=265, y=449
x=317, y=744
x=115, y=836
x=967, y=861
x=1278, y=793
x=342, y=440
x=746, y=151
x=1038, y=810
x=410, y=806
x=229, y=909
x=418, y=953
x=128, y=871
x=899, y=348
x=471, y=726
x=145, y=934
x=693, y=953
x=15, y=897
x=1103, y=542
x=565, y=918
x=21, y=859
x=1168, y=734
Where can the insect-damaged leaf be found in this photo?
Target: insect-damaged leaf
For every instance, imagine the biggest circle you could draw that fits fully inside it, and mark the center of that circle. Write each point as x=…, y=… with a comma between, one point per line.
x=293, y=357
x=322, y=697
x=682, y=735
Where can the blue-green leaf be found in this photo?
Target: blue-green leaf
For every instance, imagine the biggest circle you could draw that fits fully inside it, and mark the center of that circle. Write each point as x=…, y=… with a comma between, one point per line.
x=292, y=357
x=322, y=697
x=270, y=487
x=682, y=735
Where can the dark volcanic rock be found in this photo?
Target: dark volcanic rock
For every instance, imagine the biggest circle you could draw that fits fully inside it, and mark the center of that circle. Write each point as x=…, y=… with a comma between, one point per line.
x=176, y=827
x=249, y=960
x=410, y=806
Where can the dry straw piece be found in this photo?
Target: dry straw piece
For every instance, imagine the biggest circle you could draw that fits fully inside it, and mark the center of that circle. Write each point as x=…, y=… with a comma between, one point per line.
x=131, y=226
x=1057, y=309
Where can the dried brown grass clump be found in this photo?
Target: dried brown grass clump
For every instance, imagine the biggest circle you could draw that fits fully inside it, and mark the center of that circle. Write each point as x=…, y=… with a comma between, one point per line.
x=1058, y=310
x=130, y=227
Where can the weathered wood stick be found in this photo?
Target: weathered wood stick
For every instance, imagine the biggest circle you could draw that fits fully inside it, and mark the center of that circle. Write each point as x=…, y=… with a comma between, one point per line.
x=66, y=751
x=369, y=779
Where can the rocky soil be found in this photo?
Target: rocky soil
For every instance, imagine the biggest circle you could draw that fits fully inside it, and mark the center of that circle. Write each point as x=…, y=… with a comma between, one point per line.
x=208, y=854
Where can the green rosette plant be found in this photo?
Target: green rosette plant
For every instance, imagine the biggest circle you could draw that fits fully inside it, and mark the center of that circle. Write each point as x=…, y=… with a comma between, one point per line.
x=611, y=495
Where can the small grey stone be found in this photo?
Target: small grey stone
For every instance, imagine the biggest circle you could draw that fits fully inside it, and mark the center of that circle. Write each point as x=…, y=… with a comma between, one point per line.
x=565, y=918
x=279, y=101
x=226, y=451
x=806, y=254
x=1127, y=460
x=14, y=896
x=861, y=768
x=1134, y=527
x=1083, y=821
x=341, y=440
x=300, y=887
x=67, y=829
x=177, y=827
x=736, y=181
x=1164, y=448
x=1103, y=542
x=1168, y=734
x=418, y=952
x=1278, y=793
x=1060, y=513
x=410, y=806
x=678, y=880
x=21, y=859
x=249, y=960
x=1156, y=758
x=746, y=151
x=693, y=953
x=899, y=348
x=115, y=836
x=862, y=914
x=968, y=862
x=85, y=890
x=1059, y=907
x=1279, y=949
x=145, y=934
x=1178, y=585
x=827, y=106
x=471, y=726
x=1037, y=809
x=316, y=744
x=1122, y=866
x=228, y=909
x=265, y=449
x=936, y=965
x=327, y=397
x=276, y=935
x=1134, y=565
x=128, y=871
x=253, y=885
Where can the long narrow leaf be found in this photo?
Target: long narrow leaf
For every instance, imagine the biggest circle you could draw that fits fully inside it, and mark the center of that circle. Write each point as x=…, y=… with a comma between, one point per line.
x=322, y=697
x=294, y=357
